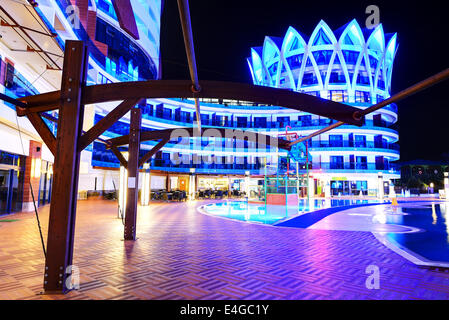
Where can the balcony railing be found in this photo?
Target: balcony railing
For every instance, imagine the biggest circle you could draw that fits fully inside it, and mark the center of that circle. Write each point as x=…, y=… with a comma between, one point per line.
x=234, y=123
x=354, y=144
x=357, y=167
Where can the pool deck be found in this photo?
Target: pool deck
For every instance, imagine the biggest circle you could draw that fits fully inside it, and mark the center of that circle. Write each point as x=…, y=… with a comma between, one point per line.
x=182, y=254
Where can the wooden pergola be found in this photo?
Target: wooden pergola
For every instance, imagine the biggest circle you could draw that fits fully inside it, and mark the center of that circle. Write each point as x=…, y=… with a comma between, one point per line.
x=71, y=140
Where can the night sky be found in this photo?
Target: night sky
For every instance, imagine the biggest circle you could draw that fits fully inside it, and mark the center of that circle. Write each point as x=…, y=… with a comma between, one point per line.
x=224, y=32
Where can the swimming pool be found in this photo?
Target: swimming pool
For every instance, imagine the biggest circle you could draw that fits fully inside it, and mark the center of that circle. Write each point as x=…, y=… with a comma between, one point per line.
x=271, y=214
x=429, y=245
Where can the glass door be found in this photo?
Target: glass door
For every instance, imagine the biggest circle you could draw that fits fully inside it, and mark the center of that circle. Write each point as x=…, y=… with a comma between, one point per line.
x=4, y=190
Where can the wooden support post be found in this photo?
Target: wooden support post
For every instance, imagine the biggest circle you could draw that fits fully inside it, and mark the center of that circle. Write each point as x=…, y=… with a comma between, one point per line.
x=106, y=122
x=119, y=156
x=44, y=131
x=153, y=151
x=61, y=228
x=133, y=174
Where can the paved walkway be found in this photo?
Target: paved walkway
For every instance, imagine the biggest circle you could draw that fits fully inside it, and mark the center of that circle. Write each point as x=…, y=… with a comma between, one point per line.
x=182, y=254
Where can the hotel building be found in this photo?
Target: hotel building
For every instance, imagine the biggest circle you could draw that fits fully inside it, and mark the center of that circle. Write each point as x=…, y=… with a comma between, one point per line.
x=349, y=65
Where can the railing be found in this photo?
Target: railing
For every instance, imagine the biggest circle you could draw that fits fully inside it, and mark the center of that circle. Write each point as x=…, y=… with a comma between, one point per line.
x=167, y=165
x=359, y=167
x=294, y=124
x=19, y=87
x=354, y=144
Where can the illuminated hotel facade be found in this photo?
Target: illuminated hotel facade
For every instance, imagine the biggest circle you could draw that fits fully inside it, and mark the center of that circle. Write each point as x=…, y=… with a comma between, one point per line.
x=351, y=66
x=31, y=63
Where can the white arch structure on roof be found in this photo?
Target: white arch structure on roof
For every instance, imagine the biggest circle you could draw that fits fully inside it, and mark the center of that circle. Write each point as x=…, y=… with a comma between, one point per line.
x=363, y=60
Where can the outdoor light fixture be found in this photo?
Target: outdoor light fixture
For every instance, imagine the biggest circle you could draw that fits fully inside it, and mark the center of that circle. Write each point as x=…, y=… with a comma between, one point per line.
x=36, y=166
x=247, y=184
x=380, y=185
x=446, y=185
x=123, y=189
x=192, y=186
x=146, y=189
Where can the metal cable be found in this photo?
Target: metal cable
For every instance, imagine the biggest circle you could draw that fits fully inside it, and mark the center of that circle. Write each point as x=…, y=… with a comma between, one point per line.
x=32, y=194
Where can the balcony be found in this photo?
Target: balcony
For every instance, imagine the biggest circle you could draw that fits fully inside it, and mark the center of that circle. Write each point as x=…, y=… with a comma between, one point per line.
x=355, y=167
x=369, y=145
x=316, y=124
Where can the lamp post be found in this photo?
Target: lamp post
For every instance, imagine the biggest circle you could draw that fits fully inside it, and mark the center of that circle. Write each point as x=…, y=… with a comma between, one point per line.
x=192, y=186
x=247, y=184
x=380, y=185
x=122, y=189
x=446, y=185
x=146, y=189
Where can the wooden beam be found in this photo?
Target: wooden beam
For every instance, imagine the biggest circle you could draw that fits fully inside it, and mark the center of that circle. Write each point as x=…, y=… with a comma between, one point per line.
x=153, y=151
x=119, y=155
x=126, y=17
x=443, y=75
x=13, y=101
x=43, y=131
x=61, y=228
x=133, y=174
x=209, y=89
x=184, y=14
x=105, y=123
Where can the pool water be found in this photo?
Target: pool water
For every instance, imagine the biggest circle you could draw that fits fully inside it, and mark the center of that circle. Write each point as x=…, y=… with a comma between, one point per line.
x=432, y=242
x=271, y=214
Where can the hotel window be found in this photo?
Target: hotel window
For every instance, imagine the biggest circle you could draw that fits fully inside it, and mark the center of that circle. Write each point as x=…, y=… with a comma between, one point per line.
x=322, y=57
x=295, y=61
x=185, y=116
x=283, y=121
x=362, y=96
x=337, y=77
x=159, y=110
x=361, y=163
x=242, y=122
x=205, y=119
x=11, y=182
x=350, y=56
x=305, y=120
x=260, y=122
x=380, y=163
x=360, y=141
x=336, y=162
x=339, y=96
x=167, y=113
x=373, y=63
x=381, y=83
x=309, y=79
x=335, y=140
x=221, y=120
x=362, y=79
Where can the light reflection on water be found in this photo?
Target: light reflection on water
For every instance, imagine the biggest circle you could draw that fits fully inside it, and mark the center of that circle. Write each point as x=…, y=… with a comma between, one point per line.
x=433, y=243
x=270, y=214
